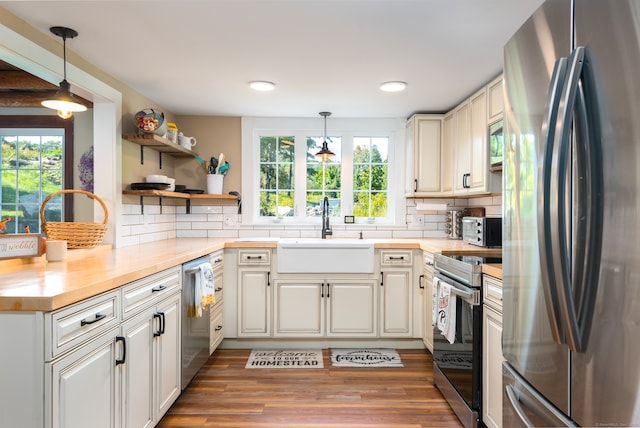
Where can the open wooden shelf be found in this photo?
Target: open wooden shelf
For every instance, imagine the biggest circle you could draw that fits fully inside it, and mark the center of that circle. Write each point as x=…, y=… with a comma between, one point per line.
x=159, y=144
x=176, y=195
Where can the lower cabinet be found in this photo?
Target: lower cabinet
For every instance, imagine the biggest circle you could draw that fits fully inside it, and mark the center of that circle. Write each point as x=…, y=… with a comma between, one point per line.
x=319, y=308
x=151, y=368
x=427, y=300
x=254, y=303
x=109, y=361
x=84, y=387
x=492, y=353
x=397, y=302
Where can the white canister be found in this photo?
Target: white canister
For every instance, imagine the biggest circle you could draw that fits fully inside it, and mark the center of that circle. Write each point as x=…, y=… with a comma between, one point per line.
x=56, y=250
x=214, y=184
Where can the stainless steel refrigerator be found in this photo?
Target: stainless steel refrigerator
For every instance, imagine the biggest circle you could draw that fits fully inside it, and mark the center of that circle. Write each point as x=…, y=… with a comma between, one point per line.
x=571, y=201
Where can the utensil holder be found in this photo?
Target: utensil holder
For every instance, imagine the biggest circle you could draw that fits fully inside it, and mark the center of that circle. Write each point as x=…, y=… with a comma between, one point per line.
x=214, y=184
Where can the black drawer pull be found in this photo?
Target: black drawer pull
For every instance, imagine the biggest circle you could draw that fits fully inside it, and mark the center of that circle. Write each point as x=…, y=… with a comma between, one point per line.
x=254, y=257
x=218, y=328
x=124, y=350
x=160, y=316
x=396, y=258
x=217, y=261
x=218, y=289
x=420, y=278
x=98, y=317
x=158, y=288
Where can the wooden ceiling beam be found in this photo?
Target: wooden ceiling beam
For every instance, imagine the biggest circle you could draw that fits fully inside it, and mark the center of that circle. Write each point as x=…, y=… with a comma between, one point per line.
x=19, y=80
x=30, y=99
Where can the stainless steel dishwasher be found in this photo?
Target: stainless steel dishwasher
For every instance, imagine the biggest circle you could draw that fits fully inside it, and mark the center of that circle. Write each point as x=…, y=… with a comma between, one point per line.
x=195, y=330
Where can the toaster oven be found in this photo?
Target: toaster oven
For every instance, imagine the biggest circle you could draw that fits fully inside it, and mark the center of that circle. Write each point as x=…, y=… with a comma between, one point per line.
x=482, y=231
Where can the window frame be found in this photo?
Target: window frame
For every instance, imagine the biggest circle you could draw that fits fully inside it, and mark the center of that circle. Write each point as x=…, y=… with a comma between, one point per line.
x=347, y=128
x=48, y=122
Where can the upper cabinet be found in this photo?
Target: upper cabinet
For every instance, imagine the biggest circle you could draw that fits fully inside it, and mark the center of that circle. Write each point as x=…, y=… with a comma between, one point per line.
x=448, y=155
x=423, y=145
x=495, y=100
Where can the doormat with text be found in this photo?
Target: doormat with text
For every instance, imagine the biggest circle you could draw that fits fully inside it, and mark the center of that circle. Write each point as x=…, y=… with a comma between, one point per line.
x=365, y=358
x=285, y=359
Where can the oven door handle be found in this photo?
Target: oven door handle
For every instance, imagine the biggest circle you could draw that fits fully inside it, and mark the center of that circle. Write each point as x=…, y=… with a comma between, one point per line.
x=468, y=294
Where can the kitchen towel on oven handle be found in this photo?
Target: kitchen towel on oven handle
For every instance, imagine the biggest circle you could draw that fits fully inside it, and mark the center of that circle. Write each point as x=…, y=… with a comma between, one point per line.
x=446, y=312
x=434, y=300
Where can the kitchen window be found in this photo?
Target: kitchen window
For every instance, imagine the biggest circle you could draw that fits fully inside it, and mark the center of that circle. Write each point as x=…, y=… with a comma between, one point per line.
x=291, y=181
x=32, y=161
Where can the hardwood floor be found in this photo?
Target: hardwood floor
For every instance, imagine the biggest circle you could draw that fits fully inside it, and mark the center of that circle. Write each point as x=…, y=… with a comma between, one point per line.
x=226, y=395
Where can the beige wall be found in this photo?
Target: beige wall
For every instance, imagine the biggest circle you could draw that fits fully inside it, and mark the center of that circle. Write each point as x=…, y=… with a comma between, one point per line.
x=214, y=134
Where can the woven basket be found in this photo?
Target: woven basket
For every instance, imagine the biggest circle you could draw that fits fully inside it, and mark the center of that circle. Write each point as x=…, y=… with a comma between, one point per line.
x=77, y=234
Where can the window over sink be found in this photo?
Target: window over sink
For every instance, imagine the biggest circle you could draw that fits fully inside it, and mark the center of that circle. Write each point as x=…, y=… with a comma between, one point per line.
x=291, y=182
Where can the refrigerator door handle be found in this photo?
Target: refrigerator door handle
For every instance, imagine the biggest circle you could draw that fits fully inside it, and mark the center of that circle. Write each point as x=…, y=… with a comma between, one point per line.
x=515, y=403
x=545, y=202
x=580, y=108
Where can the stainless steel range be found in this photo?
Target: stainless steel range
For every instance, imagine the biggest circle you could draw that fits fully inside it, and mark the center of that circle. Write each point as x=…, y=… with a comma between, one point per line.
x=457, y=360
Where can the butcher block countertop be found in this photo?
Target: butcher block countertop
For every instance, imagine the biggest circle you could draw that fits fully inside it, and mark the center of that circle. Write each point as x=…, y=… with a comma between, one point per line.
x=37, y=285
x=493, y=269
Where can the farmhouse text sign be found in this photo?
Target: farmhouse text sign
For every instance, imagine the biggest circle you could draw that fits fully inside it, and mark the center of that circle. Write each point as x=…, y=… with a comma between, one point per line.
x=20, y=245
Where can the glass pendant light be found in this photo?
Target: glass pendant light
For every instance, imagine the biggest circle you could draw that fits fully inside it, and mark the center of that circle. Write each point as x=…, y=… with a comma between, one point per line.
x=63, y=100
x=325, y=153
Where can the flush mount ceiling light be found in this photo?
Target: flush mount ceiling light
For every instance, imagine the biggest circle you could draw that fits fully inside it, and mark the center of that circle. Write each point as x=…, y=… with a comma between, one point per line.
x=394, y=86
x=325, y=153
x=63, y=100
x=262, y=85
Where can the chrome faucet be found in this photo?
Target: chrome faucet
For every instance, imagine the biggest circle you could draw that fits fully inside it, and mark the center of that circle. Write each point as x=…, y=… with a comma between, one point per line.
x=326, y=228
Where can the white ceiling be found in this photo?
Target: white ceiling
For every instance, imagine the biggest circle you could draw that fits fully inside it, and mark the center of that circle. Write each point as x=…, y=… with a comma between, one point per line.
x=196, y=57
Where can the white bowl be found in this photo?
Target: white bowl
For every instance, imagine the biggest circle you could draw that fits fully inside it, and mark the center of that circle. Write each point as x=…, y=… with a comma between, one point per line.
x=172, y=184
x=156, y=178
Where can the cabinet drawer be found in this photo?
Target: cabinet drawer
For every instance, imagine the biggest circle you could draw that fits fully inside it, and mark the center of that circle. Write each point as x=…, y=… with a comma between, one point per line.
x=81, y=322
x=216, y=329
x=254, y=257
x=217, y=260
x=144, y=292
x=396, y=257
x=492, y=292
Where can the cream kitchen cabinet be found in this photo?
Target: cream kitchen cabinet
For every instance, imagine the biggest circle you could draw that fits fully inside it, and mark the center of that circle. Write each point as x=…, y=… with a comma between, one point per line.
x=152, y=367
x=472, y=175
x=423, y=150
x=254, y=293
x=396, y=293
x=492, y=352
x=72, y=367
x=331, y=307
x=495, y=100
x=82, y=388
x=426, y=286
x=448, y=147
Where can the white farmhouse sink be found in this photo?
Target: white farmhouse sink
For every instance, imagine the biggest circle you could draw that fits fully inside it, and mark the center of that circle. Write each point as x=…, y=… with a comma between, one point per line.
x=325, y=256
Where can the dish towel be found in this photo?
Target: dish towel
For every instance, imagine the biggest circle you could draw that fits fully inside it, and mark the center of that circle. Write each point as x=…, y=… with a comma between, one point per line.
x=447, y=312
x=204, y=290
x=434, y=300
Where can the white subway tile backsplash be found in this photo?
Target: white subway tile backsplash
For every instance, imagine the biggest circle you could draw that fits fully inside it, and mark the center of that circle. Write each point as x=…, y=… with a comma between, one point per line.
x=225, y=222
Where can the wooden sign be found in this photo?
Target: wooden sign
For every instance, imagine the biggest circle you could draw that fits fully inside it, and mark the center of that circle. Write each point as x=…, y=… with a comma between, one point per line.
x=21, y=245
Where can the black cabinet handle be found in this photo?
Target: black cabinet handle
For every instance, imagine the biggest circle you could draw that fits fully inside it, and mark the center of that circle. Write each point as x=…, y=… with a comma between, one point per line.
x=420, y=278
x=268, y=279
x=217, y=261
x=218, y=289
x=254, y=257
x=415, y=185
x=381, y=279
x=97, y=318
x=124, y=350
x=218, y=328
x=158, y=288
x=158, y=332
x=322, y=290
x=328, y=293
x=396, y=258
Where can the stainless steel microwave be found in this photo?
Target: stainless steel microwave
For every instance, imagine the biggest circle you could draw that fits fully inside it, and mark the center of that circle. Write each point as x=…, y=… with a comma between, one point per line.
x=496, y=145
x=482, y=231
